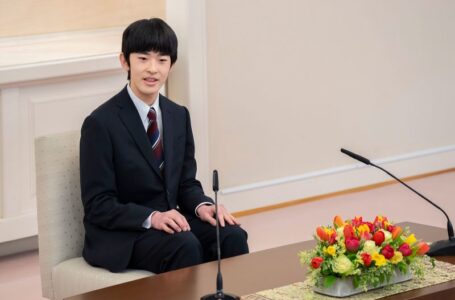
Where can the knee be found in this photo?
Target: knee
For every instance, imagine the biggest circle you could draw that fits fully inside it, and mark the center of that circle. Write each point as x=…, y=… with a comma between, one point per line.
x=189, y=246
x=234, y=241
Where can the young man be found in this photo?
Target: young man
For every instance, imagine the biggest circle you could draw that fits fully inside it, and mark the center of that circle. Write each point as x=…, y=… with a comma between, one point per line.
x=143, y=207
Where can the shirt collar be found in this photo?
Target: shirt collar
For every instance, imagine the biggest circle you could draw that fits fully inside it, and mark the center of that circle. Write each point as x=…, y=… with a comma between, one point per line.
x=141, y=106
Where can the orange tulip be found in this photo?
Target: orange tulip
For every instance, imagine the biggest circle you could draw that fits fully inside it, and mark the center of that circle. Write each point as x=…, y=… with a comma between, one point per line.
x=322, y=234
x=338, y=221
x=396, y=232
x=422, y=248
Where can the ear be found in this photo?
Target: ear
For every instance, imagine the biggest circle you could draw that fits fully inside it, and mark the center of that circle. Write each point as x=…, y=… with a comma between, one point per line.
x=123, y=62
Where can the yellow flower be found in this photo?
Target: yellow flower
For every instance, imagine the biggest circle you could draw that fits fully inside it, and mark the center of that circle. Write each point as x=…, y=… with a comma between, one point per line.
x=331, y=250
x=386, y=224
x=410, y=239
x=363, y=228
x=379, y=259
x=397, y=257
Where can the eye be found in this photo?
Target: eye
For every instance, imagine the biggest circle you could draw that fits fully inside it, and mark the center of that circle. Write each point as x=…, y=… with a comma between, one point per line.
x=143, y=58
x=164, y=59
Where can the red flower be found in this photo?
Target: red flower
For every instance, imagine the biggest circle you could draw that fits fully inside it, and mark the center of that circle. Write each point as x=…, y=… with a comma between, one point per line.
x=316, y=262
x=422, y=248
x=370, y=225
x=332, y=238
x=357, y=221
x=352, y=244
x=366, y=258
x=378, y=237
x=348, y=231
x=388, y=252
x=405, y=249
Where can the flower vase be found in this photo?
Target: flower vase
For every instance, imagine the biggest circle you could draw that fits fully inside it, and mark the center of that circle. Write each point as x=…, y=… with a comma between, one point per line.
x=344, y=287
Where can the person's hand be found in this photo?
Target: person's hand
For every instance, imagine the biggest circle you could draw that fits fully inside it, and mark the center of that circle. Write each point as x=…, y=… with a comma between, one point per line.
x=170, y=221
x=207, y=213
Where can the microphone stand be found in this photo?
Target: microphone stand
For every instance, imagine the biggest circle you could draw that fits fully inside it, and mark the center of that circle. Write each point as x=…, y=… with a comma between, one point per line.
x=219, y=294
x=443, y=247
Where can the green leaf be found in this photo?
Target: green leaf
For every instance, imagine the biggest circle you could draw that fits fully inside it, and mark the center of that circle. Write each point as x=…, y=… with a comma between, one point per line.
x=329, y=281
x=356, y=281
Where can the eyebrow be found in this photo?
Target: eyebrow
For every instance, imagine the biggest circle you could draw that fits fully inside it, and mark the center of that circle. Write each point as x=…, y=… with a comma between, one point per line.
x=147, y=53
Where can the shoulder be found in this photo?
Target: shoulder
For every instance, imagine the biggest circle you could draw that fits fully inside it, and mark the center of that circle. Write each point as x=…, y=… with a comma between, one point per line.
x=171, y=107
x=170, y=104
x=111, y=107
x=113, y=104
x=105, y=115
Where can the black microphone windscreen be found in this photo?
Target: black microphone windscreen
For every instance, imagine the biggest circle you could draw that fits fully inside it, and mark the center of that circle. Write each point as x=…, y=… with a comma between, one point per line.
x=356, y=156
x=215, y=181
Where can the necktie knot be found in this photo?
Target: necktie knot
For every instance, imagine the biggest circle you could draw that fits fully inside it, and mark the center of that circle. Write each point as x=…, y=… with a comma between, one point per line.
x=152, y=115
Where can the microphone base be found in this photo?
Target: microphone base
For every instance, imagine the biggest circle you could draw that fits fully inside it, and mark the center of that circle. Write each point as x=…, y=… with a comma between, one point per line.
x=217, y=296
x=444, y=247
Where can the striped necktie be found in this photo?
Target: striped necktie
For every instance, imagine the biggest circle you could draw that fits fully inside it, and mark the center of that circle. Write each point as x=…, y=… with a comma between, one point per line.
x=155, y=137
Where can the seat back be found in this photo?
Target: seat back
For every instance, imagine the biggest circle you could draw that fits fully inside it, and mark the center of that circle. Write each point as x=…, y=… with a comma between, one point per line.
x=60, y=211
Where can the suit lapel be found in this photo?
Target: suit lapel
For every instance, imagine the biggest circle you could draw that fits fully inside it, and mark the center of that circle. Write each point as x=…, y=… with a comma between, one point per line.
x=168, y=134
x=130, y=118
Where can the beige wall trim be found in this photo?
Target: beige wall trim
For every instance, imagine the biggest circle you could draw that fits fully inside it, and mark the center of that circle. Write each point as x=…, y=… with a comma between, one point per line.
x=335, y=170
x=335, y=194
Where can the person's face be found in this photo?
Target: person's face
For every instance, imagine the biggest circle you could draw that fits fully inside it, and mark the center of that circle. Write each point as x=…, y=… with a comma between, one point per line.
x=148, y=73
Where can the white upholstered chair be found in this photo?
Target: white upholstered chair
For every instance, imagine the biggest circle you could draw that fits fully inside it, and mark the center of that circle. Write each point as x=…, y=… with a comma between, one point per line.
x=64, y=272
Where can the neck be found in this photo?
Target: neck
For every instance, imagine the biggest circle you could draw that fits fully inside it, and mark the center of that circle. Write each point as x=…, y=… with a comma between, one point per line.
x=147, y=99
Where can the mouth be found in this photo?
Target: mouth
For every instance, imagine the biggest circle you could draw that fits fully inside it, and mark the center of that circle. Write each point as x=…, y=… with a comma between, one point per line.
x=150, y=80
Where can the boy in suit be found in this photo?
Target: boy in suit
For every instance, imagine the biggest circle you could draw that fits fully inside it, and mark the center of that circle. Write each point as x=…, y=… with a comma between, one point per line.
x=144, y=208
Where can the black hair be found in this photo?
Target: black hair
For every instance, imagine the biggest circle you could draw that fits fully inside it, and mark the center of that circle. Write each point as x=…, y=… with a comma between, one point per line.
x=149, y=35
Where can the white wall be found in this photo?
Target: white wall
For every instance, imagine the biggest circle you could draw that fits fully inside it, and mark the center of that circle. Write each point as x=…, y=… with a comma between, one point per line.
x=274, y=89
x=289, y=83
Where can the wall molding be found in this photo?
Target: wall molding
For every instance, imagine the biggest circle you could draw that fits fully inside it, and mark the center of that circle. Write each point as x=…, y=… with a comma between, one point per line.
x=58, y=54
x=282, y=190
x=336, y=170
x=336, y=194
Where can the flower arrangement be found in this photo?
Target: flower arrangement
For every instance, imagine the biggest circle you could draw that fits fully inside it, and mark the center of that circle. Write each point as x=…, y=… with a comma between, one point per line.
x=369, y=252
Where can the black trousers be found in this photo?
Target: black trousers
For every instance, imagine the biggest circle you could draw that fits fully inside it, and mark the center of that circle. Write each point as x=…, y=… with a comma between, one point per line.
x=158, y=251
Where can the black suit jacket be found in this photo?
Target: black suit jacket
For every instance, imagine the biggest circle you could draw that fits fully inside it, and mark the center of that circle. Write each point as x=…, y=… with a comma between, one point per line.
x=121, y=184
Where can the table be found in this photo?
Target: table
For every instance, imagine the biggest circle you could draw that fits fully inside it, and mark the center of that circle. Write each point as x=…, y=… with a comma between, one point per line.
x=251, y=273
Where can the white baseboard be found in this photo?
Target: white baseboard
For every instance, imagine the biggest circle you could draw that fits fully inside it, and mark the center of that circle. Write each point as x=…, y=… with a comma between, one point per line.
x=278, y=190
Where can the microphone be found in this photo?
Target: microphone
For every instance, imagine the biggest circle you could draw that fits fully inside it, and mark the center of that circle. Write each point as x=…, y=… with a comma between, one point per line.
x=443, y=247
x=219, y=294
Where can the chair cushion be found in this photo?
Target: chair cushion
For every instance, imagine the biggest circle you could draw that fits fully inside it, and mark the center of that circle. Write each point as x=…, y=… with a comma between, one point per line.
x=75, y=276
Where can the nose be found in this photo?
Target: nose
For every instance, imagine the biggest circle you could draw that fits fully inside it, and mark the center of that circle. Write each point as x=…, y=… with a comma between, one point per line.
x=152, y=66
